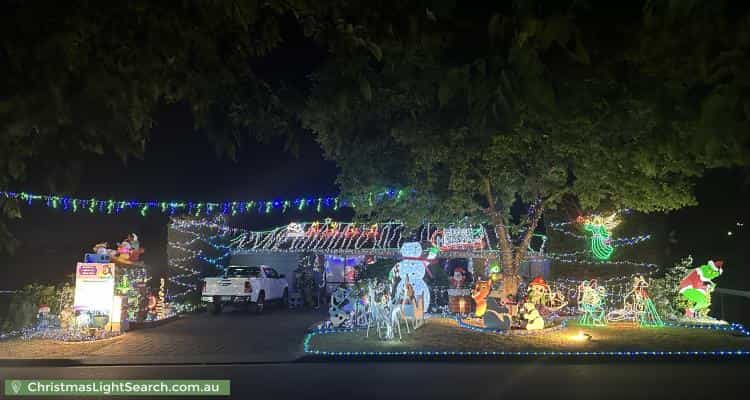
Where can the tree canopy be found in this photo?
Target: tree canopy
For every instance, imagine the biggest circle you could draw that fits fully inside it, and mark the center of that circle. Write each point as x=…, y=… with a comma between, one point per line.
x=478, y=114
x=83, y=79
x=472, y=108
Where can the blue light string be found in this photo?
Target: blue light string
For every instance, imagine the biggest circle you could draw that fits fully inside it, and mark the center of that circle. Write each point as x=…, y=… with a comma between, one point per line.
x=333, y=203
x=728, y=353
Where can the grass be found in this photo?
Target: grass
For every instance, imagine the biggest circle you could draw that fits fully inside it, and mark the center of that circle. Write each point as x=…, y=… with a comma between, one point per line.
x=440, y=334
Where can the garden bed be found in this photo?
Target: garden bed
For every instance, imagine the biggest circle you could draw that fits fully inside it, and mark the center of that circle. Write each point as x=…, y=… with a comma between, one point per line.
x=445, y=336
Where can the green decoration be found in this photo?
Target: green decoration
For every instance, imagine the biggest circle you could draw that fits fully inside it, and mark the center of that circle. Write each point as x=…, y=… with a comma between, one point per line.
x=600, y=241
x=697, y=286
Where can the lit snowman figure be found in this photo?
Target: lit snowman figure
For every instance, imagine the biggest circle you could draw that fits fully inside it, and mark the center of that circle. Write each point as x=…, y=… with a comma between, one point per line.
x=414, y=265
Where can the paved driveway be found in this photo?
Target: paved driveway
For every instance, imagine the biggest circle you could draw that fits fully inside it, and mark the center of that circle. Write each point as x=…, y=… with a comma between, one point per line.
x=231, y=337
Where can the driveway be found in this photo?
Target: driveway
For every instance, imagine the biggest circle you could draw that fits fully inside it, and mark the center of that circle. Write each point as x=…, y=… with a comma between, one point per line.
x=233, y=336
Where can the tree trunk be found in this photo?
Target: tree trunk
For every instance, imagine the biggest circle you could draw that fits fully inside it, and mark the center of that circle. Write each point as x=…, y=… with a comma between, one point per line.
x=511, y=256
x=510, y=278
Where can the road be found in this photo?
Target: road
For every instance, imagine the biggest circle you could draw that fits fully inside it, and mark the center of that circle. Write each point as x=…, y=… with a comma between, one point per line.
x=540, y=378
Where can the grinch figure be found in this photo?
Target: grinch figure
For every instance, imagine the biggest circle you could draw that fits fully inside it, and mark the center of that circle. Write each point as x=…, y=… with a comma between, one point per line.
x=697, y=286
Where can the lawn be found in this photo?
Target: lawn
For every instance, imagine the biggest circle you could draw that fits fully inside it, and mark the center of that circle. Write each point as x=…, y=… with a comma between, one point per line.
x=442, y=334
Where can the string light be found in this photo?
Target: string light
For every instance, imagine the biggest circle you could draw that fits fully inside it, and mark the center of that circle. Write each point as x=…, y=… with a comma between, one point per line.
x=308, y=349
x=196, y=208
x=511, y=332
x=601, y=244
x=597, y=262
x=316, y=236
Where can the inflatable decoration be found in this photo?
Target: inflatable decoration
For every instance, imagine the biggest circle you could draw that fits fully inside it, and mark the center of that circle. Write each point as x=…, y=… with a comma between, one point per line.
x=497, y=315
x=534, y=320
x=458, y=278
x=459, y=299
x=697, y=286
x=480, y=292
x=128, y=252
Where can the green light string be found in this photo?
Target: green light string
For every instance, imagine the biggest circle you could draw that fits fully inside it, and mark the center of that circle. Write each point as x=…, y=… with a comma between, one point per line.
x=600, y=239
x=114, y=206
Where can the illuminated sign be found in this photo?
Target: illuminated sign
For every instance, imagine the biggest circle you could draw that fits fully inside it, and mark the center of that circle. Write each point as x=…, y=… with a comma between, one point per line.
x=95, y=287
x=459, y=239
x=294, y=230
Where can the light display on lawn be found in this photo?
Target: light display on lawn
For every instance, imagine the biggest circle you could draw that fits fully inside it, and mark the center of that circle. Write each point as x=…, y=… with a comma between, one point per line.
x=539, y=293
x=637, y=306
x=697, y=286
x=530, y=314
x=480, y=292
x=207, y=244
x=341, y=306
x=600, y=241
x=591, y=304
x=601, y=245
x=497, y=315
x=459, y=238
x=411, y=269
x=374, y=308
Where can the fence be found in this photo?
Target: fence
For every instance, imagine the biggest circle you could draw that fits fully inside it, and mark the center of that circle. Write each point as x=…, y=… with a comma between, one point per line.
x=5, y=299
x=732, y=305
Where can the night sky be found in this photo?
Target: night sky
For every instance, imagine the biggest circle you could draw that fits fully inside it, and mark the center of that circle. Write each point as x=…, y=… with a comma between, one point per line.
x=179, y=164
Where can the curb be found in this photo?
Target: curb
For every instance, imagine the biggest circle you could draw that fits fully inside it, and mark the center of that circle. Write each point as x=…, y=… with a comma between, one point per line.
x=40, y=362
x=151, y=324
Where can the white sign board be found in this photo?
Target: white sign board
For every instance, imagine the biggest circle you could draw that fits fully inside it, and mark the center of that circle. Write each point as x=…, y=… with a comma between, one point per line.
x=95, y=287
x=462, y=238
x=294, y=230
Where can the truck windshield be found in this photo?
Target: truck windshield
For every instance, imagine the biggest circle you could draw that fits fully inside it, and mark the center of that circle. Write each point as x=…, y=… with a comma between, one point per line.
x=237, y=272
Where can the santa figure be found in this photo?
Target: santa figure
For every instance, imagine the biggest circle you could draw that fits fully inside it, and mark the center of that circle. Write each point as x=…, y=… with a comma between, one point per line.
x=458, y=278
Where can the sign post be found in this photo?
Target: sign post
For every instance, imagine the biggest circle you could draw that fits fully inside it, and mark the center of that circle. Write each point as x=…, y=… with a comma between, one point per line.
x=95, y=289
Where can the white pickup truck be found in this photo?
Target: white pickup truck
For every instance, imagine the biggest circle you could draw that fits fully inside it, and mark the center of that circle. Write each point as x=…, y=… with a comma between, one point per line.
x=245, y=286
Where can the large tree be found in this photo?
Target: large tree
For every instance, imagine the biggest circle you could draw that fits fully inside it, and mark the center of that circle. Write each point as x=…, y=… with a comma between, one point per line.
x=475, y=113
